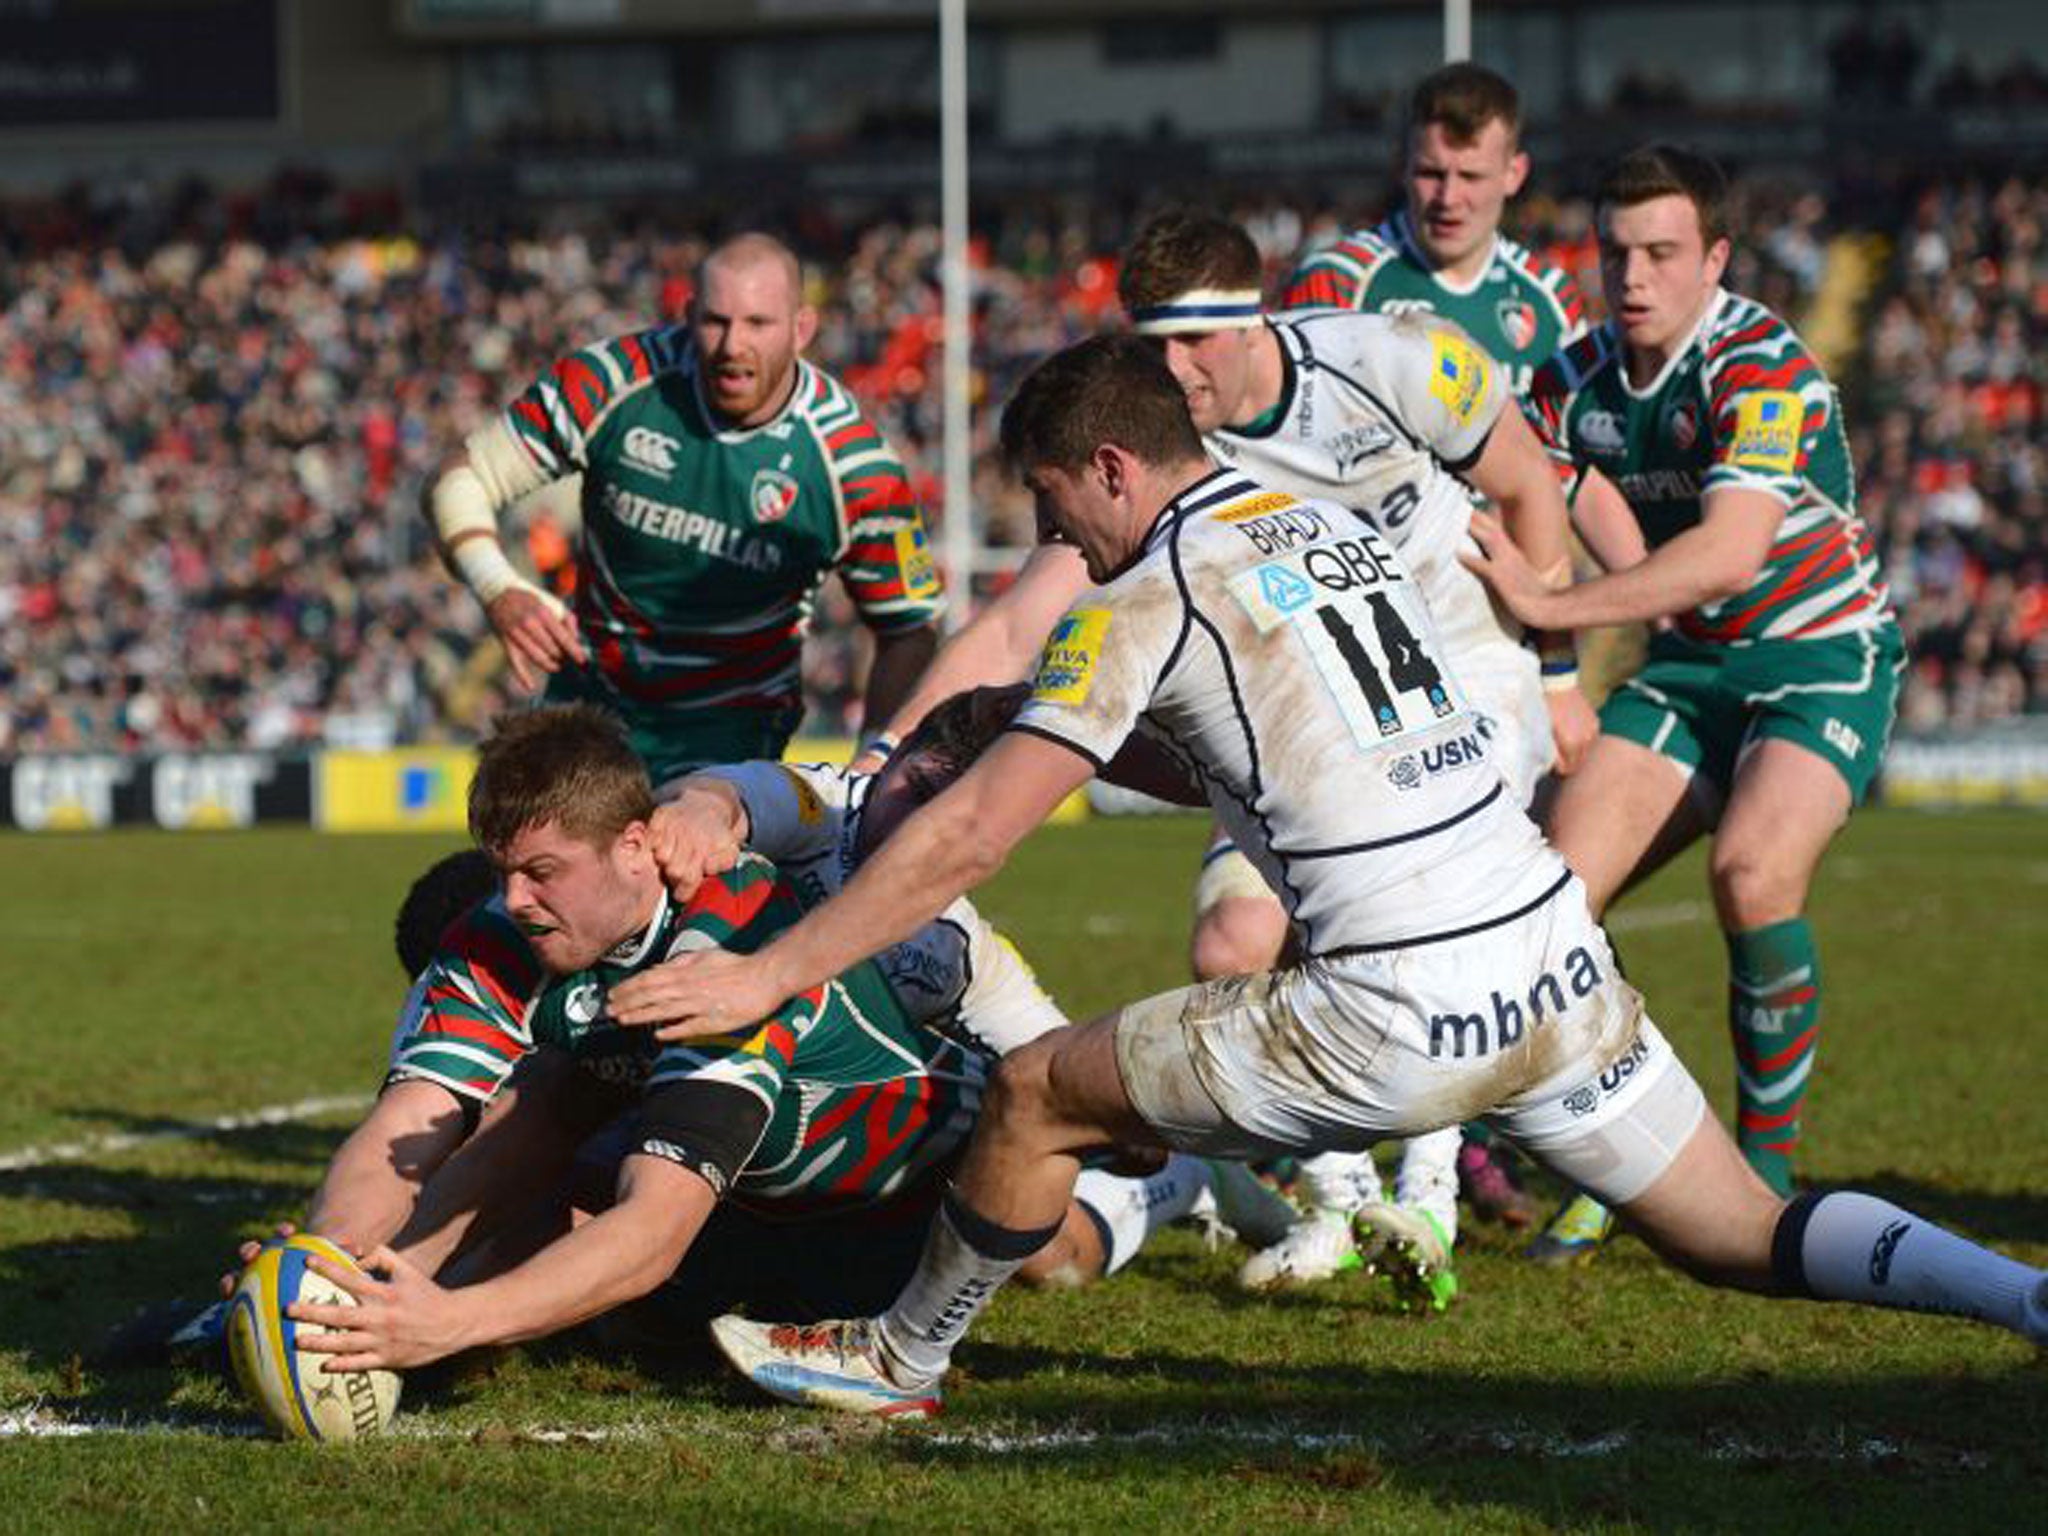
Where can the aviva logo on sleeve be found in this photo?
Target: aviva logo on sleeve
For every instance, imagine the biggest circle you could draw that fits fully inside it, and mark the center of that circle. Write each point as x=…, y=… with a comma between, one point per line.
x=1457, y=375
x=1066, y=670
x=1767, y=428
x=914, y=555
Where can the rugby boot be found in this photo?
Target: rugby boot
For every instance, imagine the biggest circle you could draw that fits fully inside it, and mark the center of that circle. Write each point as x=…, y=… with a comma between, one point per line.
x=1575, y=1234
x=1412, y=1249
x=1317, y=1247
x=834, y=1365
x=1488, y=1186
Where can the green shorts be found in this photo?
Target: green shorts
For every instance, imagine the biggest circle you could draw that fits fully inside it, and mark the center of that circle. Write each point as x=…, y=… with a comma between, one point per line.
x=674, y=740
x=1701, y=705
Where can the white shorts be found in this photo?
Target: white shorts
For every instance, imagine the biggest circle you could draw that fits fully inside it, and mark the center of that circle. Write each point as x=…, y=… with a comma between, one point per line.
x=1527, y=1025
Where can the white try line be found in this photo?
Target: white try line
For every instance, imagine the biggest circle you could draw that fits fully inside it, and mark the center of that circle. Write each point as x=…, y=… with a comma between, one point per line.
x=823, y=1435
x=87, y=1147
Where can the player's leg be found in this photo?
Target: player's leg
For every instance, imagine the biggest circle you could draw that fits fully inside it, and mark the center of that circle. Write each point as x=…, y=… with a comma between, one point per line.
x=1711, y=1215
x=1240, y=929
x=1785, y=807
x=1627, y=812
x=1111, y=1217
x=1049, y=1101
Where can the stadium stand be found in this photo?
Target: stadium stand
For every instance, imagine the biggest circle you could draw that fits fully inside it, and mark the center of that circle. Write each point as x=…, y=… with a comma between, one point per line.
x=216, y=414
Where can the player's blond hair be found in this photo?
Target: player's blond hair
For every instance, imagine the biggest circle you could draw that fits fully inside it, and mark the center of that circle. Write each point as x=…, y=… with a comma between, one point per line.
x=565, y=764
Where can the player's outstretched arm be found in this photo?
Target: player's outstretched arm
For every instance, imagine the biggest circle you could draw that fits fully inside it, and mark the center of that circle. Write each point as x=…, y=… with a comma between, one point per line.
x=1714, y=559
x=1001, y=643
x=375, y=1177
x=942, y=851
x=406, y=1319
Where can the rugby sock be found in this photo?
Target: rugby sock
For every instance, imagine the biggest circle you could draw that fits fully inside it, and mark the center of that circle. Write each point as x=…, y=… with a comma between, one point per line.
x=1340, y=1181
x=966, y=1259
x=1846, y=1246
x=1774, y=1018
x=1427, y=1179
x=1128, y=1211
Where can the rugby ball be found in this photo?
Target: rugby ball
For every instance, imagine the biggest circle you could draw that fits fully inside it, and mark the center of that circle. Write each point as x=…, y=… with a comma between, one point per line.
x=296, y=1397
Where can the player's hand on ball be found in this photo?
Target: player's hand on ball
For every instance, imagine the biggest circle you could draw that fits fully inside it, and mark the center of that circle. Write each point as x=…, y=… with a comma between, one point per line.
x=538, y=633
x=710, y=992
x=246, y=1255
x=401, y=1320
x=1504, y=568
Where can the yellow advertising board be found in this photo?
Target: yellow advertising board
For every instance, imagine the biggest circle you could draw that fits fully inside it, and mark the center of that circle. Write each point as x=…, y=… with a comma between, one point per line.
x=419, y=789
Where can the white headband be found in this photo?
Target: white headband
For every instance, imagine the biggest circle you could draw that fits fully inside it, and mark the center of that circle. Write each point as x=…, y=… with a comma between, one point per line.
x=1199, y=309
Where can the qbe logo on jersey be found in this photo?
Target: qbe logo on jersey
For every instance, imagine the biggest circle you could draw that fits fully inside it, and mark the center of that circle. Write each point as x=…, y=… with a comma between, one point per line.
x=1066, y=669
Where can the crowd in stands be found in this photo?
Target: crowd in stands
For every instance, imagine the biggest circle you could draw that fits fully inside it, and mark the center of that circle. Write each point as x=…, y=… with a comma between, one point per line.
x=216, y=419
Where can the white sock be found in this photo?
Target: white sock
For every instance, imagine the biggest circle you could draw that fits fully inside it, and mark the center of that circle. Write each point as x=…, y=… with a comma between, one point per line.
x=1428, y=1177
x=1341, y=1181
x=1130, y=1210
x=1856, y=1247
x=966, y=1259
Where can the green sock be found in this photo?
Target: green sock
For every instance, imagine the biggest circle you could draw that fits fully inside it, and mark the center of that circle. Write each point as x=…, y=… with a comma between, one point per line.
x=1774, y=1018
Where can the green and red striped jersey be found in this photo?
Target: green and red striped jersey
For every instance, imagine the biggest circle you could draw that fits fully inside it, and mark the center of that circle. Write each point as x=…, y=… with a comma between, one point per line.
x=1521, y=309
x=861, y=1101
x=703, y=545
x=1742, y=405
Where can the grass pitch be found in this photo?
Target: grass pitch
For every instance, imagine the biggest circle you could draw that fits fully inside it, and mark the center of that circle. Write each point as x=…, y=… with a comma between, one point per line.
x=160, y=988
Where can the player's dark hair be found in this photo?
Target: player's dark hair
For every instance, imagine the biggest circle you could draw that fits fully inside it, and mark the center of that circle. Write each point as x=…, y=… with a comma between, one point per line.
x=958, y=729
x=449, y=888
x=1107, y=389
x=1181, y=250
x=1668, y=170
x=1462, y=99
x=568, y=764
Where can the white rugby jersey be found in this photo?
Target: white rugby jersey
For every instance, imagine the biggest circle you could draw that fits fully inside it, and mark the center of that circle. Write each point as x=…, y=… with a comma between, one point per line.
x=1281, y=651
x=957, y=973
x=1380, y=413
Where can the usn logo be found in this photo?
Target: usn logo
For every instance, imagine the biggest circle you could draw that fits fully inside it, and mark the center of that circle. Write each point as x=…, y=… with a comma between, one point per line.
x=1466, y=1033
x=1587, y=1097
x=650, y=450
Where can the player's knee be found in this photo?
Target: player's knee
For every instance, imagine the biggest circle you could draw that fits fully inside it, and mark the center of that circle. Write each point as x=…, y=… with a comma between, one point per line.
x=1073, y=1259
x=1752, y=888
x=1018, y=1103
x=1237, y=937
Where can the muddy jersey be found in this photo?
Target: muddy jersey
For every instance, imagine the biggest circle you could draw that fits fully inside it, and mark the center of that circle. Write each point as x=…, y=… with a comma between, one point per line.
x=1521, y=308
x=860, y=1101
x=1280, y=650
x=1379, y=413
x=957, y=973
x=703, y=545
x=1741, y=405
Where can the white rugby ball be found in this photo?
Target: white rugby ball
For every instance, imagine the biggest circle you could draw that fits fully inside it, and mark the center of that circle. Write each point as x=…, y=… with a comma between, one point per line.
x=297, y=1398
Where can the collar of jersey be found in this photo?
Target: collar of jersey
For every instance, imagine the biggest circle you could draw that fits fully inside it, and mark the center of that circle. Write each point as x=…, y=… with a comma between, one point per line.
x=1421, y=258
x=798, y=388
x=1678, y=354
x=1219, y=485
x=630, y=952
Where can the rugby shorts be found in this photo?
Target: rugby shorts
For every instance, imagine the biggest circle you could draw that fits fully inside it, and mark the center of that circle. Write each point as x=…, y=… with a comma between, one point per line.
x=1527, y=1025
x=1703, y=705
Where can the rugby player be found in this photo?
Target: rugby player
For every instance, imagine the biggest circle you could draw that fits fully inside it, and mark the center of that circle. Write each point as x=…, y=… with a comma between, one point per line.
x=819, y=1128
x=1767, y=699
x=722, y=477
x=1276, y=651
